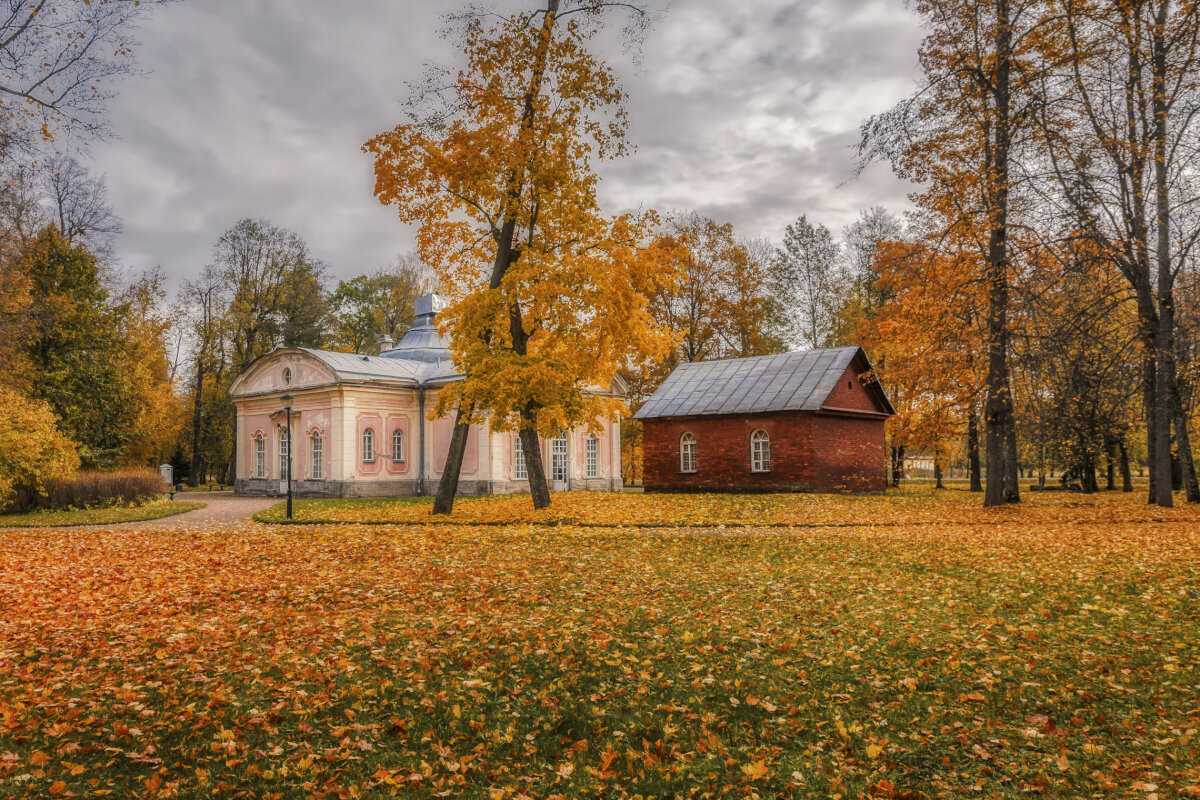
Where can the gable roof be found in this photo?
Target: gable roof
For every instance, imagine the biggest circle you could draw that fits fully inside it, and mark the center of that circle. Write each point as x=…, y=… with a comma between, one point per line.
x=800, y=381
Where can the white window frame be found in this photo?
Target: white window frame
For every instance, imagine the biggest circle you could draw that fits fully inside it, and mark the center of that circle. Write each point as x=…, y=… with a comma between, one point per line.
x=591, y=459
x=520, y=468
x=285, y=446
x=260, y=456
x=368, y=445
x=760, y=451
x=560, y=455
x=317, y=454
x=397, y=446
x=687, y=452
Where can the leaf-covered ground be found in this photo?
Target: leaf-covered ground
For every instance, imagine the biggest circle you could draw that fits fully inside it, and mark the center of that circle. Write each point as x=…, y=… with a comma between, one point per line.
x=983, y=660
x=107, y=515
x=604, y=509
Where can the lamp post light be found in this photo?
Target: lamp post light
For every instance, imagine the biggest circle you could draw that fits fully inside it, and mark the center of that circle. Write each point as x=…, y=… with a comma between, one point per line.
x=287, y=406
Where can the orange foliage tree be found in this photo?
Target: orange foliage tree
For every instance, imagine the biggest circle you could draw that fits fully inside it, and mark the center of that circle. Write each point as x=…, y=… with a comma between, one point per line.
x=548, y=296
x=927, y=341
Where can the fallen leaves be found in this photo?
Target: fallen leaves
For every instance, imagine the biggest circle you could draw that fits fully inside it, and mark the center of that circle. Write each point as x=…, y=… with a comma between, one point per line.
x=874, y=661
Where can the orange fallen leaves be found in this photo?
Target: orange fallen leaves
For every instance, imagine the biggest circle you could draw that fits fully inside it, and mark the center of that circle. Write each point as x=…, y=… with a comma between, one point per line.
x=413, y=661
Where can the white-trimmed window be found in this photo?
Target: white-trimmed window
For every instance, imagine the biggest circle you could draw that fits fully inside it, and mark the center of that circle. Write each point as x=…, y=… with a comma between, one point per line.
x=318, y=453
x=687, y=453
x=760, y=451
x=285, y=448
x=260, y=456
x=559, y=459
x=591, y=461
x=368, y=446
x=287, y=376
x=397, y=446
x=520, y=473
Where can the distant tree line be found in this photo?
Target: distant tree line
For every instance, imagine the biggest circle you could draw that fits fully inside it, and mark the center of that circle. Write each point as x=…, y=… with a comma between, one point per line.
x=264, y=289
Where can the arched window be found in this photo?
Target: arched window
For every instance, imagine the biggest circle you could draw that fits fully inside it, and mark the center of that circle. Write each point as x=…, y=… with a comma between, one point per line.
x=591, y=463
x=760, y=452
x=260, y=456
x=287, y=376
x=318, y=453
x=687, y=453
x=520, y=473
x=284, y=452
x=368, y=442
x=397, y=446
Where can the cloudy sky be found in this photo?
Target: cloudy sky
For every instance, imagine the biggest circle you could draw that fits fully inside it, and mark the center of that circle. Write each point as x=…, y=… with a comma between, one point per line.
x=746, y=110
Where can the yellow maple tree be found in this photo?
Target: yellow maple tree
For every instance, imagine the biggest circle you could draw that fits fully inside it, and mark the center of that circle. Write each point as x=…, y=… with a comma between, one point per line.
x=547, y=294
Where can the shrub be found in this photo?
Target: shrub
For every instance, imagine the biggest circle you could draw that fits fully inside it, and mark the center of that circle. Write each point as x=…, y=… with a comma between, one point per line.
x=33, y=451
x=120, y=487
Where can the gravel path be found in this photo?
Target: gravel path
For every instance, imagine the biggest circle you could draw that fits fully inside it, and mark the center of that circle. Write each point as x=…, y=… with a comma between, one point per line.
x=222, y=510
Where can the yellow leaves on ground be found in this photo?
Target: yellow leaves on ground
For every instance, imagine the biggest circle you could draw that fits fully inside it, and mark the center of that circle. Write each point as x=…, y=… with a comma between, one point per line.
x=602, y=509
x=894, y=661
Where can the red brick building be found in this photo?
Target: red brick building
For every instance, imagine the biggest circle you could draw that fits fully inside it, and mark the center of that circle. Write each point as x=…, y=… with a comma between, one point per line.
x=809, y=421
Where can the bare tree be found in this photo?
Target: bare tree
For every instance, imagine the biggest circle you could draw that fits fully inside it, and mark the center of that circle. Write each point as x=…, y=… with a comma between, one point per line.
x=802, y=280
x=59, y=61
x=79, y=205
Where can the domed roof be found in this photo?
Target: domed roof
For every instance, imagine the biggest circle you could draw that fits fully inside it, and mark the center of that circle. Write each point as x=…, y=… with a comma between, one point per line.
x=422, y=342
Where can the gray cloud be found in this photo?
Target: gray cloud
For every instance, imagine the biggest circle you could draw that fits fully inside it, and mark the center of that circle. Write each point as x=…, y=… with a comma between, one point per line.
x=746, y=111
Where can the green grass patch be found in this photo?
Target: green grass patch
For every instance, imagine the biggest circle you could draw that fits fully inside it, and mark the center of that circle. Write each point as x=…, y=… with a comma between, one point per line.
x=108, y=515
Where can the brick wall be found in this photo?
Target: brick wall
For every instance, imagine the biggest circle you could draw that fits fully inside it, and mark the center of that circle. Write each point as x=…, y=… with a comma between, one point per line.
x=809, y=452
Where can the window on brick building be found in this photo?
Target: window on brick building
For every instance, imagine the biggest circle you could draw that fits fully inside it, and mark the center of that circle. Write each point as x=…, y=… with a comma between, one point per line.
x=760, y=452
x=687, y=453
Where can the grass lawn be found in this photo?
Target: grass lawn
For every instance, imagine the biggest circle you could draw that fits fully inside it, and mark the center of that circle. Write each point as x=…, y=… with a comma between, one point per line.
x=994, y=658
x=97, y=516
x=605, y=509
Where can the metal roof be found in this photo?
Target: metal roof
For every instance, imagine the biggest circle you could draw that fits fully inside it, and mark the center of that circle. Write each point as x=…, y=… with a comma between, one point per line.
x=799, y=381
x=354, y=367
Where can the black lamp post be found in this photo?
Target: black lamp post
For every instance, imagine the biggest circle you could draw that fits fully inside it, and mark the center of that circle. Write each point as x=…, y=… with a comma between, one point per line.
x=287, y=406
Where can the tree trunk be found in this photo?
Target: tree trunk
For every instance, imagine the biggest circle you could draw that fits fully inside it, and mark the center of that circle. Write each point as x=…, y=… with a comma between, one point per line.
x=1185, y=463
x=533, y=462
x=999, y=414
x=1165, y=383
x=506, y=255
x=197, y=415
x=1126, y=476
x=937, y=474
x=443, y=503
x=1110, y=464
x=973, y=450
x=231, y=472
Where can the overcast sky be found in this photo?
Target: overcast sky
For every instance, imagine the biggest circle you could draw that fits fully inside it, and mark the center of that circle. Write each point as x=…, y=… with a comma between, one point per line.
x=746, y=110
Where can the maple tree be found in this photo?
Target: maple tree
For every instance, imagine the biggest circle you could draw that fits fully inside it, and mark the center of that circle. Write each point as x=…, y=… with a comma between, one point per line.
x=926, y=340
x=547, y=295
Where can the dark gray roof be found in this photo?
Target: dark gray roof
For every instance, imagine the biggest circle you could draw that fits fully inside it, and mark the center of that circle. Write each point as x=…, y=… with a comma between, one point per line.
x=785, y=382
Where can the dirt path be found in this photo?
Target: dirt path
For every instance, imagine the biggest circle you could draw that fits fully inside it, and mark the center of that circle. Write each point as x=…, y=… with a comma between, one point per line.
x=222, y=510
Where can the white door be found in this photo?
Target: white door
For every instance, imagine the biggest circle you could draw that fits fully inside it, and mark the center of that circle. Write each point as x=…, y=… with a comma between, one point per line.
x=284, y=451
x=559, y=474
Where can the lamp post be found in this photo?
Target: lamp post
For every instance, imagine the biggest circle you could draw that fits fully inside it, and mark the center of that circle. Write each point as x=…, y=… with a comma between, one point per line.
x=287, y=406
